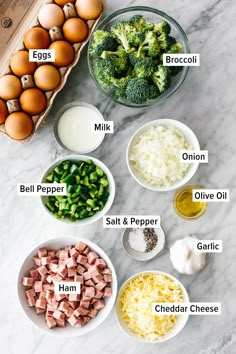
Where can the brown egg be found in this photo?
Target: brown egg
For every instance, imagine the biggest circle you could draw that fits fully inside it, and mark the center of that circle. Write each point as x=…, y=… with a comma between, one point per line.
x=47, y=77
x=64, y=53
x=19, y=125
x=64, y=2
x=33, y=101
x=36, y=38
x=51, y=15
x=20, y=64
x=89, y=9
x=10, y=87
x=3, y=111
x=75, y=30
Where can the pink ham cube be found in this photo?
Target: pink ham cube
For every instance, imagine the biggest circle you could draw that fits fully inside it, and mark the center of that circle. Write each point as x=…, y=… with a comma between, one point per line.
x=26, y=281
x=107, y=291
x=89, y=291
x=71, y=262
x=107, y=278
x=82, y=259
x=99, y=304
x=101, y=285
x=46, y=260
x=92, y=256
x=51, y=323
x=80, y=247
x=42, y=252
x=38, y=286
x=42, y=270
x=72, y=320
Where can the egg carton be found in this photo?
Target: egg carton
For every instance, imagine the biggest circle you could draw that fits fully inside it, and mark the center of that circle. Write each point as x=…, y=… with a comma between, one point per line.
x=39, y=120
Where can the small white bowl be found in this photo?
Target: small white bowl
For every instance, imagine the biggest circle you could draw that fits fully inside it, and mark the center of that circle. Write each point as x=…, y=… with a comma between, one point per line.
x=109, y=202
x=38, y=320
x=189, y=135
x=144, y=256
x=180, y=321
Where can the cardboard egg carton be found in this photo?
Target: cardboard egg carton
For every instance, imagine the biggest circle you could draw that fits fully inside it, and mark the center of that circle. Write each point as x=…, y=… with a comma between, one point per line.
x=16, y=17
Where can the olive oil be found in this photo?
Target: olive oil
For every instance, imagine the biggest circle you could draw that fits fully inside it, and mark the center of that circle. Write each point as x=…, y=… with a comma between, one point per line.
x=184, y=205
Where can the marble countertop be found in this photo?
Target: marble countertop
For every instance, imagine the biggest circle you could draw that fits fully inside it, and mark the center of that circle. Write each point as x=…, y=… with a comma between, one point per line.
x=206, y=103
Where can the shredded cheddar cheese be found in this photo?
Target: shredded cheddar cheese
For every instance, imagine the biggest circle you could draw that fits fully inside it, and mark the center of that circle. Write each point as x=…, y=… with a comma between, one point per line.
x=136, y=305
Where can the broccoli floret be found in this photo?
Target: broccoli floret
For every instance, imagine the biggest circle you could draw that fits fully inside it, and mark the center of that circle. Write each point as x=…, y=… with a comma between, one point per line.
x=165, y=41
x=153, y=92
x=119, y=58
x=144, y=68
x=140, y=23
x=175, y=48
x=137, y=90
x=101, y=41
x=162, y=27
x=121, y=85
x=122, y=31
x=136, y=39
x=161, y=78
x=150, y=46
x=104, y=72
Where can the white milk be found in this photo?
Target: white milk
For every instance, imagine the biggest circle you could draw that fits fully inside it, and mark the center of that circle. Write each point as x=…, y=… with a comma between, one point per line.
x=74, y=129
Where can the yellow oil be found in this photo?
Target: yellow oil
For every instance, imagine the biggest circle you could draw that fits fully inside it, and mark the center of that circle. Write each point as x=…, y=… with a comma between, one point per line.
x=184, y=205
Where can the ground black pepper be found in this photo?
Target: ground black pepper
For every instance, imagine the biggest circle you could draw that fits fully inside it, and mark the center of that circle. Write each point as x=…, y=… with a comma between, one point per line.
x=150, y=238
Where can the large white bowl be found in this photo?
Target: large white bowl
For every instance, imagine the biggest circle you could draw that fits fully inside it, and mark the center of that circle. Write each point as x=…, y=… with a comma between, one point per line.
x=180, y=321
x=189, y=135
x=109, y=202
x=38, y=320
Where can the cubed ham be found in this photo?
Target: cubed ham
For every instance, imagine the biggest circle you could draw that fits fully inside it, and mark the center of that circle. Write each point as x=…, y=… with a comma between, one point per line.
x=71, y=262
x=107, y=291
x=87, y=266
x=74, y=253
x=27, y=281
x=34, y=274
x=64, y=306
x=68, y=248
x=80, y=247
x=62, y=271
x=79, y=279
x=59, y=297
x=99, y=286
x=42, y=270
x=80, y=269
x=72, y=320
x=38, y=286
x=78, y=312
x=63, y=255
x=82, y=259
x=52, y=254
x=92, y=313
x=86, y=312
x=56, y=278
x=71, y=272
x=100, y=263
x=86, y=251
x=61, y=323
x=52, y=307
x=53, y=267
x=106, y=271
x=89, y=283
x=38, y=310
x=46, y=287
x=49, y=295
x=46, y=260
x=108, y=278
x=41, y=304
x=89, y=291
x=73, y=304
x=99, y=304
x=69, y=312
x=98, y=294
x=97, y=279
x=58, y=315
x=94, y=271
x=42, y=252
x=92, y=256
x=31, y=301
x=30, y=293
x=37, y=261
x=87, y=275
x=84, y=304
x=42, y=295
x=49, y=278
x=74, y=297
x=51, y=323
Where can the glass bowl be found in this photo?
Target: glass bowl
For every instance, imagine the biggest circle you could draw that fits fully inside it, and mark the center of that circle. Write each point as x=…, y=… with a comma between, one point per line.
x=154, y=16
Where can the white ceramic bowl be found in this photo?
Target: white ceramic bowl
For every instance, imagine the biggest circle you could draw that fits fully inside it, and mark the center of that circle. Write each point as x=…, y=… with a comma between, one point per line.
x=109, y=202
x=38, y=320
x=180, y=321
x=189, y=135
x=143, y=256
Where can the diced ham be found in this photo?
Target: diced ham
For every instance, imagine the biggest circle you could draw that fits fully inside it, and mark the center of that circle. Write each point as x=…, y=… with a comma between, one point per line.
x=99, y=304
x=100, y=263
x=64, y=306
x=46, y=287
x=52, y=254
x=82, y=259
x=58, y=315
x=31, y=301
x=49, y=278
x=59, y=297
x=51, y=323
x=53, y=267
x=86, y=251
x=78, y=312
x=71, y=272
x=69, y=312
x=74, y=253
x=80, y=269
x=60, y=323
x=38, y=311
x=79, y=279
x=92, y=256
x=87, y=266
x=101, y=285
x=56, y=278
x=97, y=279
x=71, y=262
x=73, y=304
x=30, y=293
x=68, y=248
x=84, y=304
x=62, y=271
x=80, y=247
x=41, y=304
x=38, y=286
x=87, y=275
x=27, y=281
x=37, y=261
x=94, y=271
x=49, y=295
x=74, y=297
x=63, y=255
x=72, y=320
x=98, y=294
x=42, y=295
x=92, y=313
x=42, y=270
x=46, y=260
x=42, y=252
x=34, y=274
x=89, y=283
x=89, y=291
x=106, y=271
x=107, y=291
x=108, y=278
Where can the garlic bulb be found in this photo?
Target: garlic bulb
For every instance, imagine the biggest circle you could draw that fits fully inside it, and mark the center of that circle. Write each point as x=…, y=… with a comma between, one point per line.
x=183, y=257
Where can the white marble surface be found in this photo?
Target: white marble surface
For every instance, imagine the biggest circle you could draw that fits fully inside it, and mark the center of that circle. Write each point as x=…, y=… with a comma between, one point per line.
x=206, y=102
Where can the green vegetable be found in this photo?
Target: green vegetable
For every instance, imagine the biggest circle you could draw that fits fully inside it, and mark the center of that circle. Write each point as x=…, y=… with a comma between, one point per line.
x=101, y=41
x=161, y=78
x=87, y=190
x=140, y=23
x=121, y=31
x=150, y=46
x=162, y=27
x=119, y=59
x=137, y=90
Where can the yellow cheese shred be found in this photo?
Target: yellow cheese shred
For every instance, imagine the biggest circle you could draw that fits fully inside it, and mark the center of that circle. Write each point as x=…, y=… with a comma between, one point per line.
x=136, y=305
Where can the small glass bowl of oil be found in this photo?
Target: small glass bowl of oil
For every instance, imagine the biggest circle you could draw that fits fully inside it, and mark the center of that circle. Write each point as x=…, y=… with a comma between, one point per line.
x=184, y=205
